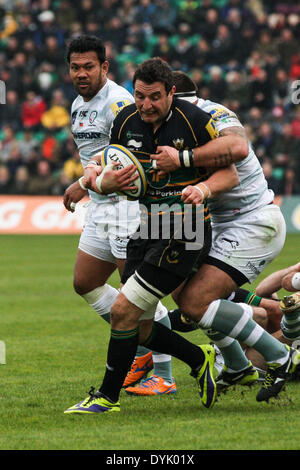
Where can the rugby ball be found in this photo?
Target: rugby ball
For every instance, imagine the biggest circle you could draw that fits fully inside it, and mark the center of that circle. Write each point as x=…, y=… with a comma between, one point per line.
x=123, y=157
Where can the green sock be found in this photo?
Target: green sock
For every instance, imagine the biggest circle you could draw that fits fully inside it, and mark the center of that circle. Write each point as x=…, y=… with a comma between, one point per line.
x=233, y=355
x=290, y=325
x=234, y=320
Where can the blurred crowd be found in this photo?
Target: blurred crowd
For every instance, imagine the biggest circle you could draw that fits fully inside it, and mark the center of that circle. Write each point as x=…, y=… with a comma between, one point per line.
x=242, y=53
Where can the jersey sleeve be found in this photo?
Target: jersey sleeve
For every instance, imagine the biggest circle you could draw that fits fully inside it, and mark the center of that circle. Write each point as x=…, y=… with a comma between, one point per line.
x=206, y=127
x=224, y=117
x=115, y=106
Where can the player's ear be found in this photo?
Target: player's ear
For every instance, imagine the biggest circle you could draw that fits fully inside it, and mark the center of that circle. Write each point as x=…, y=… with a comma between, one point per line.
x=105, y=66
x=173, y=90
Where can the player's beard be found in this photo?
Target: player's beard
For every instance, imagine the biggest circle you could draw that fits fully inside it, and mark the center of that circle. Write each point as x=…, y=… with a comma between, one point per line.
x=90, y=90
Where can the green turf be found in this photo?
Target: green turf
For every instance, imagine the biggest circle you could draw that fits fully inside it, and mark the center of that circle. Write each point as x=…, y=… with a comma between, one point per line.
x=56, y=350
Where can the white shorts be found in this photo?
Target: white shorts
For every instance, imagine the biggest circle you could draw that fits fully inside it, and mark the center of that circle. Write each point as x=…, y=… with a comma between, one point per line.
x=107, y=228
x=244, y=246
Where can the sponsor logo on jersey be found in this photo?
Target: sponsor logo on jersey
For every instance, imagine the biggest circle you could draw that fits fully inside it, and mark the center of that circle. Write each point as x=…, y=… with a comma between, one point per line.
x=83, y=114
x=93, y=116
x=156, y=180
x=134, y=144
x=221, y=114
x=87, y=135
x=73, y=117
x=178, y=143
x=211, y=129
x=118, y=106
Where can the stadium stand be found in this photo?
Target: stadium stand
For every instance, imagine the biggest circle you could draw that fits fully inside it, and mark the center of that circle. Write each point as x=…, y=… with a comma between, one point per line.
x=242, y=53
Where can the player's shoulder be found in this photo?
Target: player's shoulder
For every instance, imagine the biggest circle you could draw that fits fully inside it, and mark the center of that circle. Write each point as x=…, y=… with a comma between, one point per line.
x=189, y=110
x=219, y=112
x=77, y=102
x=117, y=97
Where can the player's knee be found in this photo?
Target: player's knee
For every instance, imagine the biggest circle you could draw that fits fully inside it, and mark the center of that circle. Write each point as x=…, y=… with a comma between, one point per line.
x=80, y=286
x=192, y=309
x=121, y=315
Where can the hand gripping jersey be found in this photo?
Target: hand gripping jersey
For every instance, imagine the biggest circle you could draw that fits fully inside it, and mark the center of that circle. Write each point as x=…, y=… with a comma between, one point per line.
x=252, y=191
x=92, y=121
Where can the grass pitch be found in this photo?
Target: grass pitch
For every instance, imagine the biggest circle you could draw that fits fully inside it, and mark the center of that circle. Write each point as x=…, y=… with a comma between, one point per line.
x=56, y=349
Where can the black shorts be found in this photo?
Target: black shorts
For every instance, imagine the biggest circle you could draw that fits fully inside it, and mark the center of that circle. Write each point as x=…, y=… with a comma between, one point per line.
x=164, y=264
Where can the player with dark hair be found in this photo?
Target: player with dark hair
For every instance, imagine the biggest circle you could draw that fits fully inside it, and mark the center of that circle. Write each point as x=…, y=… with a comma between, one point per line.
x=156, y=267
x=243, y=220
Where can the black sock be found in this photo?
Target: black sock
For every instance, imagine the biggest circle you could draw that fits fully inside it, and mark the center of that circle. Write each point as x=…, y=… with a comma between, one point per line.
x=246, y=297
x=166, y=341
x=180, y=323
x=121, y=352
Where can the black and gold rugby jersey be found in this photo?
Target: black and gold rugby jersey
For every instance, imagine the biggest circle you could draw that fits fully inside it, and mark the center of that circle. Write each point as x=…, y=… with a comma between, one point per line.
x=185, y=128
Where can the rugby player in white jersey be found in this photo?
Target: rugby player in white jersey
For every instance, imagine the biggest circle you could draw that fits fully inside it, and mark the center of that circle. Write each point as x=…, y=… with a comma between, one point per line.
x=248, y=233
x=111, y=219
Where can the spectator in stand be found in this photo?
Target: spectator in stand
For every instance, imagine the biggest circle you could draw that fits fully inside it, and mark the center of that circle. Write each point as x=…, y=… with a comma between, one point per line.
x=164, y=17
x=15, y=159
x=286, y=143
x=127, y=12
x=27, y=144
x=50, y=149
x=57, y=116
x=5, y=179
x=27, y=27
x=183, y=52
x=265, y=139
x=73, y=167
x=32, y=110
x=209, y=25
x=47, y=27
x=43, y=181
x=288, y=46
x=163, y=48
x=296, y=123
x=291, y=182
x=273, y=183
x=261, y=91
x=222, y=46
x=11, y=112
x=20, y=183
x=52, y=52
x=145, y=12
x=217, y=84
x=66, y=15
x=8, y=24
x=61, y=184
x=7, y=143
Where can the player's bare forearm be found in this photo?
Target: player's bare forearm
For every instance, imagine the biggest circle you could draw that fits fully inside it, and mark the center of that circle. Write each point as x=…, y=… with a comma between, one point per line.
x=231, y=147
x=222, y=180
x=219, y=182
x=221, y=152
x=73, y=194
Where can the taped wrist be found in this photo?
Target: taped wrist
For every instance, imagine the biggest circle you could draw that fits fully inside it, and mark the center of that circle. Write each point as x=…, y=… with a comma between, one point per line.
x=186, y=158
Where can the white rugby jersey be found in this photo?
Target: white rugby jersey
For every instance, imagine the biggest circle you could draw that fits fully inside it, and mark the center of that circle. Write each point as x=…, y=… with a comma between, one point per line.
x=252, y=191
x=91, y=123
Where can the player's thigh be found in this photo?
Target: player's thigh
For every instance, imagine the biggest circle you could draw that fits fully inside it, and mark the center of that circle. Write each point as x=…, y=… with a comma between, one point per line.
x=90, y=272
x=207, y=284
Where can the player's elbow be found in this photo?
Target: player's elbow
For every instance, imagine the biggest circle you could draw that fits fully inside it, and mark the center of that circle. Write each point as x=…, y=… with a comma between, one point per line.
x=241, y=149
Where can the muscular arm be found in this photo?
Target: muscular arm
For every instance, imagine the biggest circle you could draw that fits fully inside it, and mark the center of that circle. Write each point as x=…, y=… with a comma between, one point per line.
x=231, y=147
x=275, y=281
x=219, y=182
